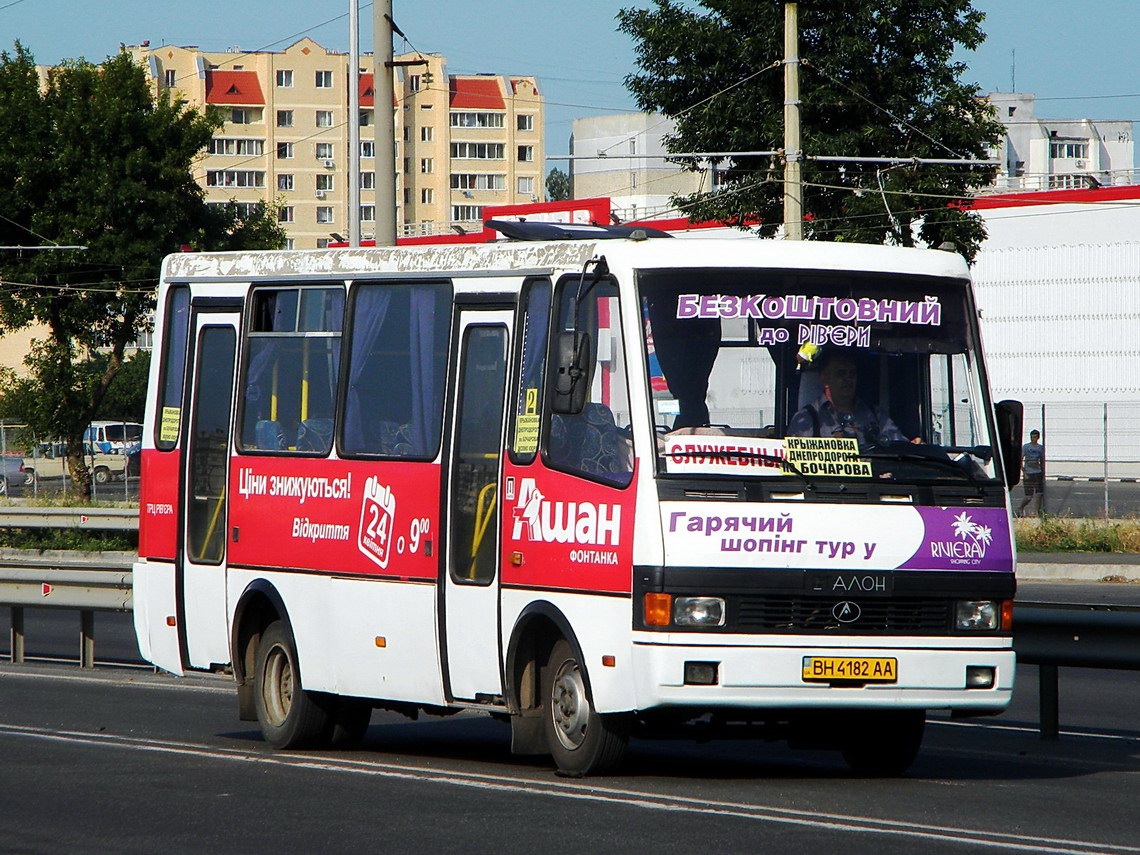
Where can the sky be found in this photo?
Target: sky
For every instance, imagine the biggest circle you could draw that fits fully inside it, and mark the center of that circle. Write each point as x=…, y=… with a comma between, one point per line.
x=1079, y=59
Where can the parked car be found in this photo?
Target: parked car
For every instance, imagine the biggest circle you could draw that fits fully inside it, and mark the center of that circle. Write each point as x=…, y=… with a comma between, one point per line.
x=12, y=469
x=50, y=461
x=109, y=436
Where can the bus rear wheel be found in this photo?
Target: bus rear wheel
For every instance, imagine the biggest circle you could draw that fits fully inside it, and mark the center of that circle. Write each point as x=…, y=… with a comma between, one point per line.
x=581, y=740
x=290, y=717
x=884, y=744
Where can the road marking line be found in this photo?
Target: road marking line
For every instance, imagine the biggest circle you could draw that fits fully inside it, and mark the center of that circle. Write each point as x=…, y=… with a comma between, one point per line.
x=174, y=683
x=588, y=792
x=1083, y=734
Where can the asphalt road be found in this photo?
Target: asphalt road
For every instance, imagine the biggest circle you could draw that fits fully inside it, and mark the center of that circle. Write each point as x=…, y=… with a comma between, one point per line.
x=134, y=763
x=123, y=760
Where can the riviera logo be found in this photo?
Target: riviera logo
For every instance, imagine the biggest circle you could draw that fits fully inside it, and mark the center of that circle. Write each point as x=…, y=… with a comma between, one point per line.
x=971, y=540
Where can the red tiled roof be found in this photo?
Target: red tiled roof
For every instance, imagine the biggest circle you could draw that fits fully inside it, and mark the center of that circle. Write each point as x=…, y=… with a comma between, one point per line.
x=367, y=96
x=476, y=93
x=233, y=87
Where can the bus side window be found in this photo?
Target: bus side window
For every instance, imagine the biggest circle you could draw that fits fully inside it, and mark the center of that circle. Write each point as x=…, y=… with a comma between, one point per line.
x=292, y=365
x=596, y=442
x=176, y=329
x=397, y=364
x=532, y=370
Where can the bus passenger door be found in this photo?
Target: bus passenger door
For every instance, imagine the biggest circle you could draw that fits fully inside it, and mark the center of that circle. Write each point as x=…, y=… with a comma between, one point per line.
x=201, y=572
x=470, y=588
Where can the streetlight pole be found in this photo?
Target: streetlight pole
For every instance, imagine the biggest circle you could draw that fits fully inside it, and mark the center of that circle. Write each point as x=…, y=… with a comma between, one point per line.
x=793, y=155
x=385, y=125
x=354, y=123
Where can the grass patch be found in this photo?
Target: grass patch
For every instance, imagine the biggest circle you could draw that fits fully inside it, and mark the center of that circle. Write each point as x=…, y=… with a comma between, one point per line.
x=1064, y=534
x=80, y=540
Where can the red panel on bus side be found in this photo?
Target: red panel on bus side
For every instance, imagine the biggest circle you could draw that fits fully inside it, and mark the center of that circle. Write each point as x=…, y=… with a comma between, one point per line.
x=158, y=503
x=571, y=534
x=335, y=516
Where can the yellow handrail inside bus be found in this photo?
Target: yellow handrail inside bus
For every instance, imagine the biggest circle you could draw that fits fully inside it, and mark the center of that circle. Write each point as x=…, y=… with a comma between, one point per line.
x=273, y=395
x=304, y=379
x=213, y=524
x=482, y=520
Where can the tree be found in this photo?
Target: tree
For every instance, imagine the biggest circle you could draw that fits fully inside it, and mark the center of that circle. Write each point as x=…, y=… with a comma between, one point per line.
x=89, y=157
x=878, y=80
x=557, y=185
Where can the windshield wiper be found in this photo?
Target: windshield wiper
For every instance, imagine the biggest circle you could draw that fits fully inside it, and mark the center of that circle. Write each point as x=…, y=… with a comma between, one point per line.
x=783, y=462
x=919, y=457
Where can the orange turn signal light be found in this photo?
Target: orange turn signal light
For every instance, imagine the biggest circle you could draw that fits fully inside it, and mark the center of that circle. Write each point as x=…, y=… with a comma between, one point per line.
x=658, y=609
x=1007, y=615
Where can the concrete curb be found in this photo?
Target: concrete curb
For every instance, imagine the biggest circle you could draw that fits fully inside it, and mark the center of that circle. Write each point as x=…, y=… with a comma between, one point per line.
x=1084, y=572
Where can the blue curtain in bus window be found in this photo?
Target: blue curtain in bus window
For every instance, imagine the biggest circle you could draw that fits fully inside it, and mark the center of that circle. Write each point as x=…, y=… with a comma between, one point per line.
x=395, y=376
x=371, y=310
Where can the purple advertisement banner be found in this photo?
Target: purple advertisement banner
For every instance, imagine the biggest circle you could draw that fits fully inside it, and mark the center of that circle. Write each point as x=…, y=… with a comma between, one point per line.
x=963, y=539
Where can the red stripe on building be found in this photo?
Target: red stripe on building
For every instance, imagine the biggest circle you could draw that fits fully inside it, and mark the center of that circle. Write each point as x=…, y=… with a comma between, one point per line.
x=1056, y=197
x=233, y=87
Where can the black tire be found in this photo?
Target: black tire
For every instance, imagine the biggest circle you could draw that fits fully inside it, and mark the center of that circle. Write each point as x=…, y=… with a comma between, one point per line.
x=29, y=477
x=884, y=744
x=581, y=741
x=102, y=475
x=350, y=720
x=290, y=717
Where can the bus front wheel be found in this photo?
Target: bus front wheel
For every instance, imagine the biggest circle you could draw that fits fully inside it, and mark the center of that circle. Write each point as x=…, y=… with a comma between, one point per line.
x=290, y=717
x=884, y=744
x=582, y=741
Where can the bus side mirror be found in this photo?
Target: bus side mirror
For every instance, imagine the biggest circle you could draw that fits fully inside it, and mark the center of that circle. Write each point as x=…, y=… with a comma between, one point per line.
x=572, y=373
x=1009, y=421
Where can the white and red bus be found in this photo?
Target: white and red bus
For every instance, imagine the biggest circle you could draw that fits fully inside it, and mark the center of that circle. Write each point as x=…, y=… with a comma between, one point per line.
x=568, y=483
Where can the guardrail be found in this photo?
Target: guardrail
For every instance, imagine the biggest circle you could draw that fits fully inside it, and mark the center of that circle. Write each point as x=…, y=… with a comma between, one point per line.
x=58, y=580
x=99, y=519
x=1050, y=635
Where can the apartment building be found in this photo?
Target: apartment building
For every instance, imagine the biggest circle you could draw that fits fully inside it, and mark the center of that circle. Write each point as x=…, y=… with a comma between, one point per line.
x=462, y=141
x=1058, y=154
x=622, y=156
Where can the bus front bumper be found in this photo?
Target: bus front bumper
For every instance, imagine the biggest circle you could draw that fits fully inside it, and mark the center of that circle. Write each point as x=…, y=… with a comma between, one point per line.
x=815, y=676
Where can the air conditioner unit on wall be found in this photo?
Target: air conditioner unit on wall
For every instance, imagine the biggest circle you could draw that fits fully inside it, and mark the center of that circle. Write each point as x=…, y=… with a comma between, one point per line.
x=1080, y=164
x=320, y=194
x=329, y=164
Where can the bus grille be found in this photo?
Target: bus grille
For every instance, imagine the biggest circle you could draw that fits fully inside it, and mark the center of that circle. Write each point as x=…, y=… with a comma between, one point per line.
x=777, y=613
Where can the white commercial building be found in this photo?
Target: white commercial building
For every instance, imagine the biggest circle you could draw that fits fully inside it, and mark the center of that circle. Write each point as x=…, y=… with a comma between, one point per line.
x=1058, y=283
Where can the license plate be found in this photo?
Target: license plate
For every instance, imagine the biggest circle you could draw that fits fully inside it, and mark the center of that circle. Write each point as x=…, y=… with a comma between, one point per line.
x=829, y=669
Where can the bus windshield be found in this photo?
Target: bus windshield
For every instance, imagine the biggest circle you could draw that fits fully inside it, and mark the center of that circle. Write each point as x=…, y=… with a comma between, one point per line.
x=814, y=374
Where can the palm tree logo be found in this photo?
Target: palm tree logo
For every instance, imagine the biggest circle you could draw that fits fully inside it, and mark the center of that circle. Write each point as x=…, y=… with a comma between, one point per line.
x=966, y=529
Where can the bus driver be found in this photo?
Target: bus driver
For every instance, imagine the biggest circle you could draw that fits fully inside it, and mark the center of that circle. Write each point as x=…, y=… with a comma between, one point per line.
x=838, y=412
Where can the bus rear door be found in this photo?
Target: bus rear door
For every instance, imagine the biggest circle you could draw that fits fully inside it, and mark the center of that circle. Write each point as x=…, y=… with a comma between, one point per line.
x=470, y=587
x=201, y=571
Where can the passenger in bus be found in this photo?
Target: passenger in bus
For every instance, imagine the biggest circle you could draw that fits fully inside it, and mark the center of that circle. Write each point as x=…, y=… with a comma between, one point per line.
x=839, y=412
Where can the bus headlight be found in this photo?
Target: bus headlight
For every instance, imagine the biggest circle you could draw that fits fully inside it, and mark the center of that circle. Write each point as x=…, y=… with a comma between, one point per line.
x=978, y=615
x=698, y=611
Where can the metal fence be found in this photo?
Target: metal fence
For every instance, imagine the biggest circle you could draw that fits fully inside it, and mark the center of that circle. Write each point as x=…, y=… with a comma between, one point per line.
x=1092, y=457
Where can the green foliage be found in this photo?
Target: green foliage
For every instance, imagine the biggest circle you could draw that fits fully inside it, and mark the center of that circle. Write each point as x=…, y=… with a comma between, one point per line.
x=69, y=538
x=89, y=157
x=878, y=80
x=557, y=185
x=1061, y=534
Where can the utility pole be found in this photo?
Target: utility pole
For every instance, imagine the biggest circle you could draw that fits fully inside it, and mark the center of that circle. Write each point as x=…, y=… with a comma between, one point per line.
x=354, y=123
x=385, y=125
x=793, y=156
